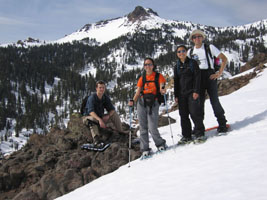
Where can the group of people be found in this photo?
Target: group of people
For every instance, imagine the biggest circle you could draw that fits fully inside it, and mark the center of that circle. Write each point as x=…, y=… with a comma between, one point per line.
x=194, y=76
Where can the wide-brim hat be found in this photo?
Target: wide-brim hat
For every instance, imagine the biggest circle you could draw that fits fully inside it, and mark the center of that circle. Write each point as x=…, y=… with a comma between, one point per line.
x=197, y=32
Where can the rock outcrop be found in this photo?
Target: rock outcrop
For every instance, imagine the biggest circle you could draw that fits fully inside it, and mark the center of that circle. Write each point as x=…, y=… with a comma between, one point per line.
x=51, y=165
x=257, y=60
x=227, y=86
x=140, y=13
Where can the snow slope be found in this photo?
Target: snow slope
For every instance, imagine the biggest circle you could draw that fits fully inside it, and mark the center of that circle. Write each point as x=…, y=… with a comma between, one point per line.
x=231, y=167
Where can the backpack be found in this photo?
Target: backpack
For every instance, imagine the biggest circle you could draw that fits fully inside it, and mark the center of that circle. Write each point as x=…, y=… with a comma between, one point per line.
x=83, y=105
x=190, y=65
x=216, y=61
x=159, y=96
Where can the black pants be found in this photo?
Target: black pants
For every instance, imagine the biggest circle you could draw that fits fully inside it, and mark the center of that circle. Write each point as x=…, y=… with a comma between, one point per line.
x=189, y=106
x=212, y=89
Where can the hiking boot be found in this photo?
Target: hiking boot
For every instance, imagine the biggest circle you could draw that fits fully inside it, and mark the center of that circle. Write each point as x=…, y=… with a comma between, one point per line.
x=145, y=155
x=222, y=129
x=99, y=145
x=200, y=138
x=184, y=140
x=162, y=148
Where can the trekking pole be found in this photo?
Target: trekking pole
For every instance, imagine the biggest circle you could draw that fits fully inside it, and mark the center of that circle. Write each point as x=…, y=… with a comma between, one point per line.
x=165, y=99
x=130, y=136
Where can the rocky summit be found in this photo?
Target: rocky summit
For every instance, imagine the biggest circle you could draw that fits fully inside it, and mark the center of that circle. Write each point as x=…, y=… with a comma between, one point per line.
x=140, y=13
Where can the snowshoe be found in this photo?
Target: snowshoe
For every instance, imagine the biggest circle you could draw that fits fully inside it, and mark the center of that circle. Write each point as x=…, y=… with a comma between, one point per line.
x=184, y=141
x=95, y=147
x=200, y=139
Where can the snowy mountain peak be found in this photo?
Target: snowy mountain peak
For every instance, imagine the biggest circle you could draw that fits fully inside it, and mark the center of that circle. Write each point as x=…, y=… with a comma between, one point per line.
x=106, y=30
x=140, y=13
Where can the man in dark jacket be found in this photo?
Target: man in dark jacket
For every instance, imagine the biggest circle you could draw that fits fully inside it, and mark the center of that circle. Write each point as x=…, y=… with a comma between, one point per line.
x=187, y=79
x=96, y=105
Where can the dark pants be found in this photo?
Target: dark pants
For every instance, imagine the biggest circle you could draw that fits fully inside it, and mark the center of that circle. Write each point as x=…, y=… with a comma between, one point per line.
x=212, y=89
x=189, y=106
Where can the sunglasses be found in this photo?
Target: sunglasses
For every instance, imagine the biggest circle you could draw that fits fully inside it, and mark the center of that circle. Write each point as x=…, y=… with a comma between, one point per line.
x=150, y=65
x=197, y=36
x=181, y=51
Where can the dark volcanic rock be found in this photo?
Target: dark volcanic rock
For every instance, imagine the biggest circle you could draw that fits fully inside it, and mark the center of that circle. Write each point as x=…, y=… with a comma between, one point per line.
x=52, y=165
x=257, y=60
x=140, y=14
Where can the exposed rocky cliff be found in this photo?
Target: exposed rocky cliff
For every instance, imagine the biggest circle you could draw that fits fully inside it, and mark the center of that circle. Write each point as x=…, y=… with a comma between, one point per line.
x=257, y=60
x=228, y=86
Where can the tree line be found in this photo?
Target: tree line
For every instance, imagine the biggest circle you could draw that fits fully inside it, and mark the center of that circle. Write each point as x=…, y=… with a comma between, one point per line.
x=40, y=86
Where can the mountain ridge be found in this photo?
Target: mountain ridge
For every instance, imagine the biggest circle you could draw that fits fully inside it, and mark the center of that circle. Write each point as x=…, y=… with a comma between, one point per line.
x=137, y=19
x=130, y=23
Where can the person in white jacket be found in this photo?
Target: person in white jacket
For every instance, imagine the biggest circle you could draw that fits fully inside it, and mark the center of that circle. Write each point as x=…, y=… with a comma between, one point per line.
x=208, y=75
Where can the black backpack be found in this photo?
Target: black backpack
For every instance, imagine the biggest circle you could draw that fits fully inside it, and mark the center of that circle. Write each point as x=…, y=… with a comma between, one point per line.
x=159, y=96
x=82, y=109
x=216, y=64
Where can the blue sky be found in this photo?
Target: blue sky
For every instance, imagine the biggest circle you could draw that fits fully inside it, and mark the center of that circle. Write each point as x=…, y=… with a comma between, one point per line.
x=53, y=19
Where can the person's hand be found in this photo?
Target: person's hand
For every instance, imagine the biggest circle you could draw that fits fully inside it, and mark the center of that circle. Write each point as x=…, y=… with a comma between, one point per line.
x=102, y=124
x=215, y=76
x=163, y=90
x=131, y=103
x=176, y=99
x=195, y=96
